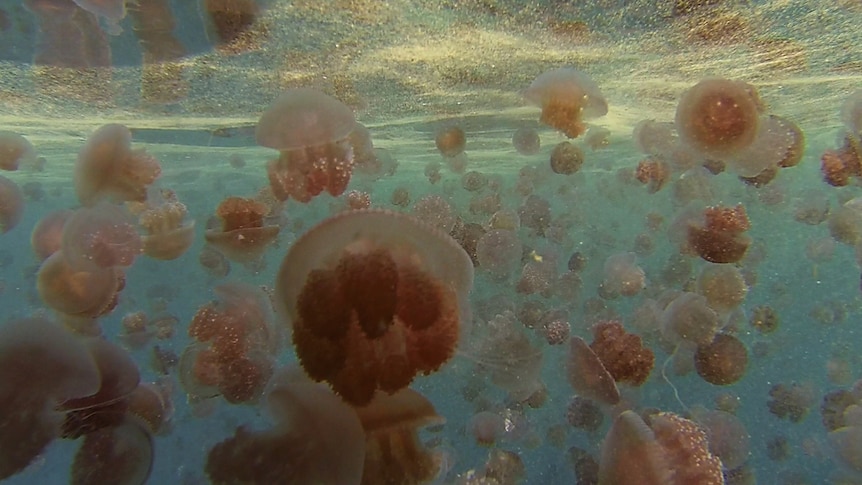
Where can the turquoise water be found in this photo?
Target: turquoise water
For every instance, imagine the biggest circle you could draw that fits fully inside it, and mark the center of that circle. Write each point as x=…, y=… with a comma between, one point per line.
x=408, y=69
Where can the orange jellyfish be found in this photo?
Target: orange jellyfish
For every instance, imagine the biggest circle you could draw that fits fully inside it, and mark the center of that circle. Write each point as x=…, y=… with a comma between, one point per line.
x=622, y=354
x=16, y=150
x=723, y=361
x=11, y=204
x=838, y=166
x=311, y=131
x=75, y=291
x=47, y=235
x=42, y=364
x=588, y=376
x=373, y=298
x=107, y=167
x=566, y=158
x=167, y=235
x=567, y=96
x=526, y=141
x=653, y=173
x=791, y=402
x=120, y=453
x=622, y=275
x=393, y=452
x=451, y=141
x=723, y=286
x=243, y=236
x=100, y=237
x=670, y=450
x=316, y=438
x=719, y=238
x=718, y=117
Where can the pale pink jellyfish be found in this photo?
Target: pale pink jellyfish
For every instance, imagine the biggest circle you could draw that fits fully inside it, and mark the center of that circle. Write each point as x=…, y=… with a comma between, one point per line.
x=622, y=275
x=100, y=237
x=167, y=232
x=47, y=236
x=567, y=96
x=499, y=252
x=435, y=211
x=688, y=318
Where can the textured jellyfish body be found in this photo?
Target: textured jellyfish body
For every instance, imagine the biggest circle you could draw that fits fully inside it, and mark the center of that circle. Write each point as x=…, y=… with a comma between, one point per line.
x=15, y=150
x=107, y=167
x=655, y=138
x=373, y=298
x=719, y=237
x=11, y=204
x=728, y=438
x=75, y=291
x=669, y=451
x=688, y=318
x=653, y=173
x=723, y=286
x=718, y=117
x=526, y=141
x=393, y=452
x=567, y=96
x=566, y=158
x=723, y=361
x=622, y=354
x=244, y=235
x=42, y=364
x=838, y=166
x=791, y=402
x=779, y=144
x=122, y=453
x=498, y=252
x=317, y=438
x=435, y=211
x=622, y=275
x=47, y=235
x=311, y=131
x=450, y=141
x=100, y=237
x=167, y=234
x=588, y=376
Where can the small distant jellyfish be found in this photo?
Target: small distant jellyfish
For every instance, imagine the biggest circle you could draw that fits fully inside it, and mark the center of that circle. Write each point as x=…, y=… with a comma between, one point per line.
x=474, y=181
x=310, y=130
x=622, y=275
x=356, y=199
x=719, y=238
x=764, y=319
x=451, y=141
x=623, y=354
x=526, y=141
x=499, y=252
x=167, y=234
x=15, y=150
x=583, y=413
x=567, y=96
x=654, y=137
x=400, y=197
x=244, y=234
x=432, y=172
x=653, y=173
x=101, y=236
x=434, y=210
x=723, y=361
x=791, y=402
x=556, y=332
x=718, y=117
x=597, y=138
x=840, y=165
x=723, y=286
x=566, y=158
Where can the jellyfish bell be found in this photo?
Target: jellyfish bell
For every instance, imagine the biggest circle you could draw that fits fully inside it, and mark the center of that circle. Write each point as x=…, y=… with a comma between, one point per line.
x=15, y=150
x=108, y=168
x=47, y=235
x=100, y=236
x=779, y=143
x=588, y=376
x=718, y=117
x=244, y=234
x=122, y=453
x=723, y=361
x=622, y=275
x=450, y=141
x=567, y=96
x=688, y=318
x=526, y=141
x=622, y=354
x=655, y=137
x=310, y=130
x=78, y=292
x=119, y=376
x=728, y=438
x=374, y=279
x=167, y=235
x=11, y=204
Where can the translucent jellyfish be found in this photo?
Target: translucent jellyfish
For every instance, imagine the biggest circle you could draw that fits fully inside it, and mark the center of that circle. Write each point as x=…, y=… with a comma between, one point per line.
x=655, y=137
x=567, y=96
x=728, y=438
x=468, y=236
x=847, y=441
x=43, y=364
x=583, y=413
x=47, y=235
x=400, y=197
x=107, y=167
x=764, y=319
x=688, y=318
x=487, y=427
x=791, y=401
x=214, y=262
x=588, y=376
x=310, y=130
x=121, y=453
x=11, y=204
x=653, y=173
x=723, y=286
x=585, y=465
x=622, y=275
x=77, y=292
x=718, y=117
x=435, y=211
x=526, y=141
x=670, y=450
x=16, y=150
x=244, y=234
x=503, y=467
x=845, y=222
x=393, y=452
x=373, y=298
x=598, y=137
x=150, y=404
x=118, y=375
x=719, y=237
x=167, y=234
x=474, y=181
x=723, y=361
x=556, y=331
x=499, y=252
x=315, y=438
x=535, y=213
x=450, y=141
x=101, y=236
x=622, y=354
x=838, y=166
x=566, y=158
x=779, y=144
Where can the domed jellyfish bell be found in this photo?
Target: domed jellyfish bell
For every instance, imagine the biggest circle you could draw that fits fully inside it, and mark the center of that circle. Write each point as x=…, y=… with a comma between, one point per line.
x=316, y=438
x=47, y=235
x=107, y=167
x=42, y=365
x=567, y=96
x=120, y=453
x=588, y=376
x=311, y=131
x=101, y=236
x=167, y=235
x=15, y=150
x=622, y=275
x=244, y=234
x=373, y=298
x=11, y=204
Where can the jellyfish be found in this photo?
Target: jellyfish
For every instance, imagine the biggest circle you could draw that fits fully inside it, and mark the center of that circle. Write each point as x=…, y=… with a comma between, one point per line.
x=100, y=236
x=588, y=376
x=231, y=21
x=400, y=197
x=566, y=158
x=719, y=238
x=393, y=452
x=728, y=438
x=121, y=453
x=503, y=467
x=244, y=236
x=567, y=96
x=688, y=318
x=723, y=361
x=622, y=354
x=487, y=427
x=670, y=450
x=474, y=181
x=653, y=173
x=791, y=401
x=15, y=150
x=150, y=405
x=583, y=413
x=655, y=137
x=833, y=407
x=108, y=168
x=723, y=286
x=373, y=298
x=214, y=262
x=118, y=374
x=845, y=223
x=535, y=213
x=435, y=211
x=78, y=292
x=779, y=144
x=43, y=364
x=47, y=235
x=764, y=319
x=315, y=438
x=718, y=117
x=167, y=235
x=11, y=204
x=450, y=141
x=838, y=166
x=622, y=275
x=310, y=130
x=526, y=141
x=499, y=252
x=598, y=137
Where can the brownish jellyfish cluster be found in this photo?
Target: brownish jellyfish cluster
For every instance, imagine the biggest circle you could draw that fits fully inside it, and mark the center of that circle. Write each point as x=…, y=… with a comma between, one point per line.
x=664, y=302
